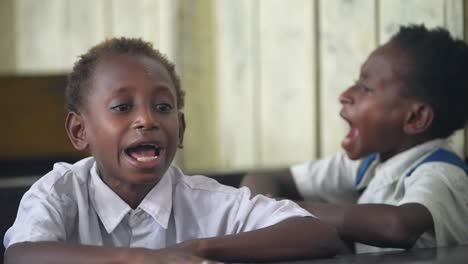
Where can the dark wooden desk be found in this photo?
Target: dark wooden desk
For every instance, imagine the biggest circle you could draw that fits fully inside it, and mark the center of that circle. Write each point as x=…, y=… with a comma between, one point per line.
x=448, y=255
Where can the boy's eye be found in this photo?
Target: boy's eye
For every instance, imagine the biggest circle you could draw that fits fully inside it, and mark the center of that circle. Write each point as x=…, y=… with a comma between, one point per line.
x=164, y=107
x=363, y=87
x=366, y=89
x=122, y=108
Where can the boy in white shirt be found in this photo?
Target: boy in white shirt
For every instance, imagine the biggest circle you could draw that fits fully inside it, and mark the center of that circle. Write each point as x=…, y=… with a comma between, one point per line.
x=127, y=203
x=398, y=185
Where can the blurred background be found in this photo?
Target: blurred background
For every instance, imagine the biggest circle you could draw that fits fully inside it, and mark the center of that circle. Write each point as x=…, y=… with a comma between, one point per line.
x=262, y=77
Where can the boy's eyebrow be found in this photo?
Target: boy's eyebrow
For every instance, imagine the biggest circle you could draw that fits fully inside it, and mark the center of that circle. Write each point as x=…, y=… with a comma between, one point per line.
x=362, y=73
x=160, y=88
x=361, y=70
x=126, y=88
x=166, y=90
x=121, y=90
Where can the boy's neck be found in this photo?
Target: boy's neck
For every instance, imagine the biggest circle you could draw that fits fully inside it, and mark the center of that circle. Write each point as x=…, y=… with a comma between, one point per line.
x=131, y=194
x=411, y=142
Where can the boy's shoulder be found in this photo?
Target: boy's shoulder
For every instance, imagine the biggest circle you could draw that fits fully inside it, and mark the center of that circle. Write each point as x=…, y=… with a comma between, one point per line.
x=436, y=155
x=441, y=167
x=441, y=158
x=64, y=177
x=201, y=183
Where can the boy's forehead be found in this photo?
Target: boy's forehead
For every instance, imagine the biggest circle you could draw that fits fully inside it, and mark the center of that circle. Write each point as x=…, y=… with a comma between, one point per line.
x=130, y=68
x=122, y=62
x=128, y=73
x=389, y=60
x=377, y=64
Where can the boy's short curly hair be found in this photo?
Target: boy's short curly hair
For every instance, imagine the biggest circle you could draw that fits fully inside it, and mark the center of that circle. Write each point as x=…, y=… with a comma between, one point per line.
x=438, y=76
x=78, y=79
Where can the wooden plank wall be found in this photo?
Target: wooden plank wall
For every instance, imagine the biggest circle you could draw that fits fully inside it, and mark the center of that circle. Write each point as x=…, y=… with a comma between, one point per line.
x=7, y=43
x=237, y=82
x=196, y=51
x=50, y=34
x=40, y=41
x=347, y=36
x=262, y=76
x=303, y=55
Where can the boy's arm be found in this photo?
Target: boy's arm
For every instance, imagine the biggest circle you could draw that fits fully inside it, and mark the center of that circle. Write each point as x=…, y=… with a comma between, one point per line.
x=376, y=224
x=57, y=252
x=274, y=183
x=294, y=238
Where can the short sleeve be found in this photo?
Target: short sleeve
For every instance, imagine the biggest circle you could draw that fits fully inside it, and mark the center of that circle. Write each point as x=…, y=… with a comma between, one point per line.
x=442, y=188
x=261, y=211
x=328, y=180
x=202, y=207
x=40, y=217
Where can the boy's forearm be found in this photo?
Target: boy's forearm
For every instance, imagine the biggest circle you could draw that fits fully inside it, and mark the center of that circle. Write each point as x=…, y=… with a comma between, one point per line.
x=275, y=183
x=259, y=183
x=295, y=238
x=55, y=252
x=375, y=224
x=387, y=225
x=330, y=213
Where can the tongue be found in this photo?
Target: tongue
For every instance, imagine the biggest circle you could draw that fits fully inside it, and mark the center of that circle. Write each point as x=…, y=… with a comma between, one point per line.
x=354, y=132
x=143, y=152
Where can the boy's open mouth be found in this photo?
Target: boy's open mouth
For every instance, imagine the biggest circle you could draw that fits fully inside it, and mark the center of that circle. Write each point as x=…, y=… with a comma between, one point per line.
x=144, y=153
x=352, y=134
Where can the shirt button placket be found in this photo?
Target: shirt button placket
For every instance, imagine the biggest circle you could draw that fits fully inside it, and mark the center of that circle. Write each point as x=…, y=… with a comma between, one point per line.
x=137, y=227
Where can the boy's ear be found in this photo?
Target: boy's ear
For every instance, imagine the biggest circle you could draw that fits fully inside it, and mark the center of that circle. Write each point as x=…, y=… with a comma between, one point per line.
x=74, y=124
x=418, y=119
x=181, y=128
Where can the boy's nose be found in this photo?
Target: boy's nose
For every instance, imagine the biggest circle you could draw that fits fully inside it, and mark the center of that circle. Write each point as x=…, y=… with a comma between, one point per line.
x=345, y=97
x=145, y=121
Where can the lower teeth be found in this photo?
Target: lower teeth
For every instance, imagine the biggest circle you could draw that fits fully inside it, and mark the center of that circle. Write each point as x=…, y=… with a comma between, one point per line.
x=145, y=159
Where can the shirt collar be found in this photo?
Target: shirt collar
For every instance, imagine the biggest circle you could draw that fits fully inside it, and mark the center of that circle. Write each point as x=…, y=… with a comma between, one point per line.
x=404, y=160
x=111, y=209
x=158, y=202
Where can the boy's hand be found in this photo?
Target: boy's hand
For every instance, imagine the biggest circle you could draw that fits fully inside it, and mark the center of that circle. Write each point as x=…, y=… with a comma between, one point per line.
x=172, y=255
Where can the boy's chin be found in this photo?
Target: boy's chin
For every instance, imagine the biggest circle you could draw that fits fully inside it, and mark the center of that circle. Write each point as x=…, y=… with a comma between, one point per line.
x=146, y=179
x=144, y=175
x=352, y=155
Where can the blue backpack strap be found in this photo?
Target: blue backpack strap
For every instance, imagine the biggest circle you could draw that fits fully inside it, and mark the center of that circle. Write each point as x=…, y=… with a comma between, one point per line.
x=364, y=166
x=442, y=155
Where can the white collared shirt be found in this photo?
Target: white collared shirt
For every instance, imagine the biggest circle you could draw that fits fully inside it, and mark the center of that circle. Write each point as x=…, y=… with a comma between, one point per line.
x=72, y=204
x=439, y=186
